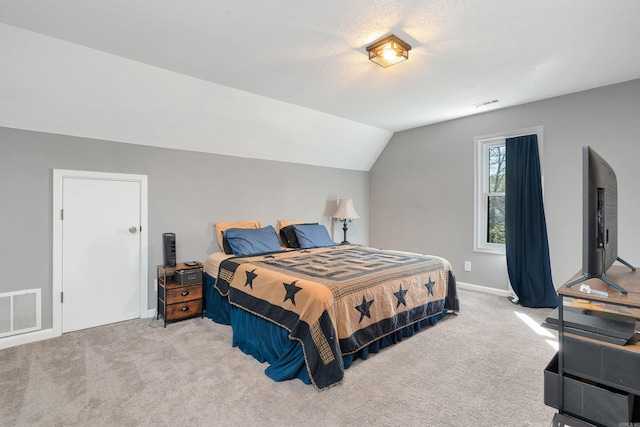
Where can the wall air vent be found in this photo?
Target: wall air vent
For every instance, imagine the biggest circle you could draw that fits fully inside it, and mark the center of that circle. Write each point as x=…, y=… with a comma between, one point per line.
x=20, y=312
x=484, y=104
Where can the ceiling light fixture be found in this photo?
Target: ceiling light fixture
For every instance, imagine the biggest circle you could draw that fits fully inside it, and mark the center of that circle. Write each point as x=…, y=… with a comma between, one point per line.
x=389, y=51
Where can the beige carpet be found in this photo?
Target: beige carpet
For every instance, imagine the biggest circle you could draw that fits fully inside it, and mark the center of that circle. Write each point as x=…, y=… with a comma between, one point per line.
x=483, y=367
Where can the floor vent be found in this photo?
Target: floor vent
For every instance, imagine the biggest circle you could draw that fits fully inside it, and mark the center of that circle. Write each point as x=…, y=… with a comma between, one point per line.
x=20, y=312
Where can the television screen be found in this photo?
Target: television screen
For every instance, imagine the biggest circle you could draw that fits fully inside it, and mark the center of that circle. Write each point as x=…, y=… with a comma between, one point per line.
x=599, y=219
x=600, y=214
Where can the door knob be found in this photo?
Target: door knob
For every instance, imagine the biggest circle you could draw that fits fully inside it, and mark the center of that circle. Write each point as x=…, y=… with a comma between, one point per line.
x=132, y=229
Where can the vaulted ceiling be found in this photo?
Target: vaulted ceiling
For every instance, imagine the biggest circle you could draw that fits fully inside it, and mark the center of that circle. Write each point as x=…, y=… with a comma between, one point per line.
x=289, y=79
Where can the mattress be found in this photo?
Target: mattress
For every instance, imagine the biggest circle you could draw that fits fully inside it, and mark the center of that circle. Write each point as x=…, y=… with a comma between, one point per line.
x=212, y=263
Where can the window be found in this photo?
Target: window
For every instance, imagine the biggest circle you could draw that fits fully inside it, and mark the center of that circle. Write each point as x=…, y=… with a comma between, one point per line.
x=491, y=160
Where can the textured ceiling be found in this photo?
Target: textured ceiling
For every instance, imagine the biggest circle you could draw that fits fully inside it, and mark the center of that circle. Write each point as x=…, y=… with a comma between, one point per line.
x=312, y=53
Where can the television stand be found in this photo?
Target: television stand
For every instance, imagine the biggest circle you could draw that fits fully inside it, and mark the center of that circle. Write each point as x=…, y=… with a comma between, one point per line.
x=620, y=260
x=603, y=277
x=597, y=381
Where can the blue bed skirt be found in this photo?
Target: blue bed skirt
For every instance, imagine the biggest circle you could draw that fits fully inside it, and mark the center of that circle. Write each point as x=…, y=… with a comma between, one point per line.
x=268, y=342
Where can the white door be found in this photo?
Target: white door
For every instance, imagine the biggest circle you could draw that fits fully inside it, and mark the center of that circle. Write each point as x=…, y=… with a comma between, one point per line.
x=101, y=243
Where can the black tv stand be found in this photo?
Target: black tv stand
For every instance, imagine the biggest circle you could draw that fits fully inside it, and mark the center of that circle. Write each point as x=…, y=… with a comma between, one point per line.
x=603, y=277
x=597, y=382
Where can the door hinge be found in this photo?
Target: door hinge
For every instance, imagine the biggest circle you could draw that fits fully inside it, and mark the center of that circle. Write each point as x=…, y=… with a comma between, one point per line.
x=61, y=297
x=61, y=214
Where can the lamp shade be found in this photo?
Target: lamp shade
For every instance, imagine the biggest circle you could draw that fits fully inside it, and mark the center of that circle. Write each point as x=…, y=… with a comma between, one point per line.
x=346, y=210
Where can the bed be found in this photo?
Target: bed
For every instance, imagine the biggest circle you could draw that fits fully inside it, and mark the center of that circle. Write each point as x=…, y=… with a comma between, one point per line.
x=309, y=312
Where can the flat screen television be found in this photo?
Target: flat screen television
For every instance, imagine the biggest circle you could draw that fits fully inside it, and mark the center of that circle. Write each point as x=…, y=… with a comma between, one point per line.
x=599, y=219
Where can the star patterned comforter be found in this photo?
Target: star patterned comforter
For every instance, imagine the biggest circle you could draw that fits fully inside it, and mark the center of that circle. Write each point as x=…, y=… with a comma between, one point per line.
x=337, y=300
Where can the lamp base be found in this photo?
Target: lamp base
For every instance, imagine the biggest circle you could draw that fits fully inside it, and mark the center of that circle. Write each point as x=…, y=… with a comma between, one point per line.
x=344, y=228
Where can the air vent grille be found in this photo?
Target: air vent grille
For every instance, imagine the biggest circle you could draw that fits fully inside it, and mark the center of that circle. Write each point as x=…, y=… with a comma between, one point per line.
x=484, y=104
x=20, y=312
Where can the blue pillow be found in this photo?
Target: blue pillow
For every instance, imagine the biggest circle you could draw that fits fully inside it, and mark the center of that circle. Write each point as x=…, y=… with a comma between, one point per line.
x=252, y=241
x=312, y=235
x=288, y=235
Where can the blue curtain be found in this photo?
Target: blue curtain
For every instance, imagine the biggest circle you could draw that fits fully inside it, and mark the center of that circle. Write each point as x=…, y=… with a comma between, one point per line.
x=527, y=246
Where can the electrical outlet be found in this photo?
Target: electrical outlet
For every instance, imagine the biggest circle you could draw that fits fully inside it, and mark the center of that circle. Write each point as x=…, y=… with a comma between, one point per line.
x=467, y=266
x=155, y=285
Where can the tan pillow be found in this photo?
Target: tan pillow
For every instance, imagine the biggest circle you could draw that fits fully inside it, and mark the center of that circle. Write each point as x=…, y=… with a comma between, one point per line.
x=222, y=226
x=282, y=223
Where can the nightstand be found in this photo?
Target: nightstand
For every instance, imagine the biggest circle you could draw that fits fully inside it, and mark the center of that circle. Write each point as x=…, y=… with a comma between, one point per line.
x=179, y=292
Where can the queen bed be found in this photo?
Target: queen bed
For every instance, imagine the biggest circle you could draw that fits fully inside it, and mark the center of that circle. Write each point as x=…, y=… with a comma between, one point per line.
x=310, y=311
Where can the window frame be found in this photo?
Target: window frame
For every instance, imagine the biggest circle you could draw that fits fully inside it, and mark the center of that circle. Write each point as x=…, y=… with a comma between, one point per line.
x=482, y=144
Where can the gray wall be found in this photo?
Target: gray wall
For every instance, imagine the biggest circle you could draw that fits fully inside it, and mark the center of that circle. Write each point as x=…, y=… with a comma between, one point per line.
x=417, y=197
x=188, y=193
x=422, y=186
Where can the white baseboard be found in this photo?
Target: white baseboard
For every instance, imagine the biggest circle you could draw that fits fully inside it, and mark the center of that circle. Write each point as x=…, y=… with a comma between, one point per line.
x=43, y=334
x=27, y=338
x=477, y=288
x=46, y=334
